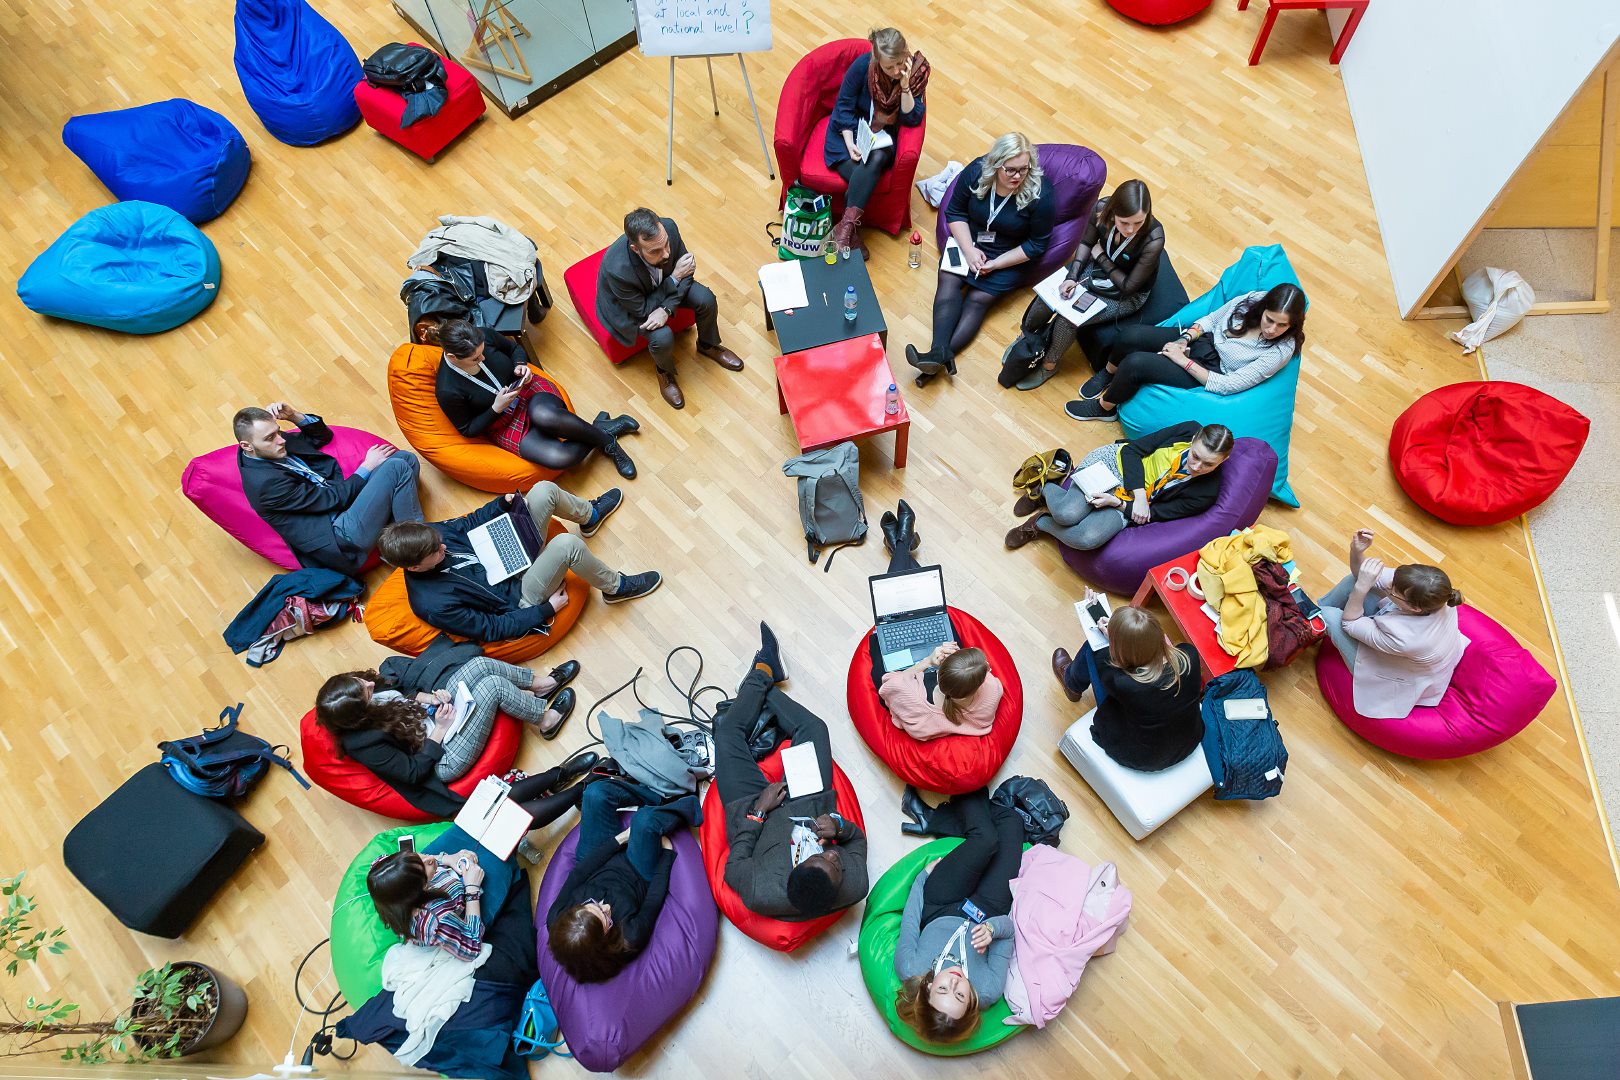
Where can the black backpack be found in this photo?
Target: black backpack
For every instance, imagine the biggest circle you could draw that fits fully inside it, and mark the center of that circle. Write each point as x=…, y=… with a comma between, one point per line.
x=406, y=68
x=1034, y=801
x=223, y=762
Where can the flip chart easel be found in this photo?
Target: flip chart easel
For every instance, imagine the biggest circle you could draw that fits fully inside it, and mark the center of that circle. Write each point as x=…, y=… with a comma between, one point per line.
x=669, y=152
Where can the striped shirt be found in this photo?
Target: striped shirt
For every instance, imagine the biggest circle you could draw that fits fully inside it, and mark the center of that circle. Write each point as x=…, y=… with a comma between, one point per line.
x=443, y=921
x=1243, y=363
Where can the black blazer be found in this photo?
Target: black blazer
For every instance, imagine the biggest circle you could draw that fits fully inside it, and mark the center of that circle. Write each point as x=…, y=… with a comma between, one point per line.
x=462, y=602
x=1185, y=499
x=468, y=403
x=1148, y=727
x=412, y=775
x=625, y=294
x=299, y=510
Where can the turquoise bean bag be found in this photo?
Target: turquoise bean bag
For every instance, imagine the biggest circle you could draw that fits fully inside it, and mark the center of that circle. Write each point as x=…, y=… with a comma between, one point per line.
x=132, y=266
x=1263, y=412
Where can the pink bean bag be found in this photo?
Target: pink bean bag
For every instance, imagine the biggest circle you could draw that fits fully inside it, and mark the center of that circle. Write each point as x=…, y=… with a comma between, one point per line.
x=214, y=483
x=1496, y=691
x=951, y=764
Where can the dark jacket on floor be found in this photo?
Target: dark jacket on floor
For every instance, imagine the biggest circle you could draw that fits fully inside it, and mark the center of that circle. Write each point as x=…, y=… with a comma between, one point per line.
x=300, y=510
x=322, y=585
x=461, y=601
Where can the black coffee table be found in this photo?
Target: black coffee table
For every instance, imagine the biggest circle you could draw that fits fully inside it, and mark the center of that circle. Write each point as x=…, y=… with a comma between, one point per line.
x=822, y=322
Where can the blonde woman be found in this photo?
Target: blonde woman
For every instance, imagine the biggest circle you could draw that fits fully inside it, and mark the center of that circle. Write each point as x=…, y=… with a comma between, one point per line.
x=1000, y=215
x=1147, y=691
x=884, y=88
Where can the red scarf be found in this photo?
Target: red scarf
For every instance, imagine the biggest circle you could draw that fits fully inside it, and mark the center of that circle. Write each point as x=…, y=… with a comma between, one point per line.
x=886, y=91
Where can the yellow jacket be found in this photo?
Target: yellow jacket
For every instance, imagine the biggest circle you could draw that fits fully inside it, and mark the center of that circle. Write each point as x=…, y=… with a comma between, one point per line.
x=1227, y=578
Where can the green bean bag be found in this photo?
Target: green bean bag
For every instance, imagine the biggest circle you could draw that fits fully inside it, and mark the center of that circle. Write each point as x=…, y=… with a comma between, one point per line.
x=880, y=929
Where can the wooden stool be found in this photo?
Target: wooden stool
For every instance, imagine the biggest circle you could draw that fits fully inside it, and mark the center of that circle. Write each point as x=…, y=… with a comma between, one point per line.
x=1358, y=8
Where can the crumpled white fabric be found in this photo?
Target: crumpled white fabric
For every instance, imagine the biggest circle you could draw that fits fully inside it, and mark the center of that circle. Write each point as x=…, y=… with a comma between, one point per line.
x=508, y=256
x=933, y=188
x=429, y=985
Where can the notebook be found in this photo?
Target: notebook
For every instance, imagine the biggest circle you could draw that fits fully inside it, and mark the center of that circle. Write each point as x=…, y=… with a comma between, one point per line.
x=1047, y=290
x=801, y=768
x=867, y=140
x=495, y=821
x=1096, y=479
x=952, y=260
x=1091, y=613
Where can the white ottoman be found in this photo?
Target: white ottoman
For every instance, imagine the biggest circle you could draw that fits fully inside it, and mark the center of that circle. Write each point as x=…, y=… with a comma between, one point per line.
x=1142, y=801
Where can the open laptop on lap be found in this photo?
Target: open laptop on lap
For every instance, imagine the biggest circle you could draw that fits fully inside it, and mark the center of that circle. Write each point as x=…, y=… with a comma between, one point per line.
x=507, y=544
x=908, y=610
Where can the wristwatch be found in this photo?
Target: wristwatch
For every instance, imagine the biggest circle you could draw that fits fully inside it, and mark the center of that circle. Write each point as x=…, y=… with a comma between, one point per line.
x=472, y=892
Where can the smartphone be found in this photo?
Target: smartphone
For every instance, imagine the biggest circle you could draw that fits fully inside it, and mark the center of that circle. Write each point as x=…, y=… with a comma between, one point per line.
x=1082, y=300
x=407, y=845
x=513, y=385
x=1306, y=604
x=953, y=255
x=1097, y=612
x=972, y=911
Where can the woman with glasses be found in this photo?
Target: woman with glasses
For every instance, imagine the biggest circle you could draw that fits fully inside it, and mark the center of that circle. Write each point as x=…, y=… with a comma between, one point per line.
x=1000, y=215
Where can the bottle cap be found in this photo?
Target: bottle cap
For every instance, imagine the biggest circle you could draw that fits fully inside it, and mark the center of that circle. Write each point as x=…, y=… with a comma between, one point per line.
x=916, y=237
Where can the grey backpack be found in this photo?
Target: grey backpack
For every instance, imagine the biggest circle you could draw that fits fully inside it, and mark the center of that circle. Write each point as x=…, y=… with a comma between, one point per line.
x=830, y=504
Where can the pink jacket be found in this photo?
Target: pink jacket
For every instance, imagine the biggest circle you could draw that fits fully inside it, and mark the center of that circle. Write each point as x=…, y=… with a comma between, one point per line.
x=1404, y=660
x=1064, y=913
x=903, y=692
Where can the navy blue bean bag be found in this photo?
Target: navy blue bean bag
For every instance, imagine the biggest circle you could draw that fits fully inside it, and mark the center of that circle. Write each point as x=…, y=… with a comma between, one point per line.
x=297, y=71
x=132, y=266
x=174, y=153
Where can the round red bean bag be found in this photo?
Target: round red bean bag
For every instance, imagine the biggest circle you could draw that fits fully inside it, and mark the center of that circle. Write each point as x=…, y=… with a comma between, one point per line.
x=773, y=933
x=951, y=764
x=391, y=622
x=359, y=786
x=213, y=482
x=412, y=375
x=1159, y=12
x=1481, y=453
x=1496, y=691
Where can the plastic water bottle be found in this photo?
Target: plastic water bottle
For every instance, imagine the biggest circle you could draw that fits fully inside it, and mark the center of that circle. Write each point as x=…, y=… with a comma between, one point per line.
x=914, y=260
x=891, y=403
x=849, y=303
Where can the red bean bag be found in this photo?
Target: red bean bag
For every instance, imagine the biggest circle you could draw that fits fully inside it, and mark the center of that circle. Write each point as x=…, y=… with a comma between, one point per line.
x=772, y=933
x=359, y=786
x=1159, y=12
x=581, y=281
x=1481, y=453
x=1496, y=691
x=391, y=622
x=951, y=764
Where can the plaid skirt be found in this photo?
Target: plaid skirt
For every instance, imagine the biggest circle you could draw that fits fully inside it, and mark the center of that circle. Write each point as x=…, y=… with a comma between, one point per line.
x=509, y=428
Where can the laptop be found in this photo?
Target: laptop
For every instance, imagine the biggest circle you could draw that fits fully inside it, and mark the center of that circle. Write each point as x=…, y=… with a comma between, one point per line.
x=506, y=545
x=909, y=611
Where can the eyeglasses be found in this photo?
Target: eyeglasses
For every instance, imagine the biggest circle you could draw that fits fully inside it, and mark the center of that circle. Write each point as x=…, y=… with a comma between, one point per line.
x=1015, y=170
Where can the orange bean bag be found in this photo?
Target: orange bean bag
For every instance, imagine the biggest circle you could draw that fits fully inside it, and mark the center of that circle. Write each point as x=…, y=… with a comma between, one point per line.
x=772, y=933
x=479, y=463
x=391, y=622
x=951, y=764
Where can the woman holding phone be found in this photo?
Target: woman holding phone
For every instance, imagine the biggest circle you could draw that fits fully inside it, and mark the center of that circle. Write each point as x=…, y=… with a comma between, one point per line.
x=488, y=389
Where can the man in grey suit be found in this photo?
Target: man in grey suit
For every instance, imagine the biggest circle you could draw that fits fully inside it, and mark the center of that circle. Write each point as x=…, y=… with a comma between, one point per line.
x=646, y=275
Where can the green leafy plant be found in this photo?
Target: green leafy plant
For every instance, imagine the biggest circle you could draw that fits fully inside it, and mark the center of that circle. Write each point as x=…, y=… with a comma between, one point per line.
x=170, y=1006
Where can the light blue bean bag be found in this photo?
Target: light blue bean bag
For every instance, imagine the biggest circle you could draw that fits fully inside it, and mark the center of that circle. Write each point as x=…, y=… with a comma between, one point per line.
x=297, y=71
x=1263, y=412
x=174, y=153
x=132, y=266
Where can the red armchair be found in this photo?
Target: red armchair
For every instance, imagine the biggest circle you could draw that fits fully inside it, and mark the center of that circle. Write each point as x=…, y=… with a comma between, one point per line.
x=802, y=114
x=383, y=109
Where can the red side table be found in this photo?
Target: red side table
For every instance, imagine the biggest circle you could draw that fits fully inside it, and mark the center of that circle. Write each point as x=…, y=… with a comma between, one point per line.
x=836, y=392
x=1184, y=608
x=1358, y=8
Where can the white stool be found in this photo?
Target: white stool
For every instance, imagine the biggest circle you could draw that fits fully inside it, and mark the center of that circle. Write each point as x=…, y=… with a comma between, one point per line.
x=1142, y=801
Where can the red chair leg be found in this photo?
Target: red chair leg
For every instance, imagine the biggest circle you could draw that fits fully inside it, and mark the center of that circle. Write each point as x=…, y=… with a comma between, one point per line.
x=1265, y=32
x=1348, y=29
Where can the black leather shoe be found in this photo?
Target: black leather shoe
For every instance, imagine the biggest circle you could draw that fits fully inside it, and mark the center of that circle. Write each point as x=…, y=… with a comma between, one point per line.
x=563, y=704
x=616, y=426
x=911, y=828
x=891, y=540
x=621, y=460
x=770, y=654
x=564, y=674
x=578, y=766
x=912, y=805
x=906, y=526
x=927, y=362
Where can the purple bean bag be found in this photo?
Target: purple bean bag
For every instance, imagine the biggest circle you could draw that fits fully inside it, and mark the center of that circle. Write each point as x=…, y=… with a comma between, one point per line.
x=214, y=483
x=605, y=1023
x=1076, y=175
x=1120, y=565
x=1496, y=692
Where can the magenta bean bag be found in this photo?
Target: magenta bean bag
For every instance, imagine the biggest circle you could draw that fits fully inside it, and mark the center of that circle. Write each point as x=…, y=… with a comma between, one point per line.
x=605, y=1023
x=1496, y=691
x=214, y=483
x=1121, y=565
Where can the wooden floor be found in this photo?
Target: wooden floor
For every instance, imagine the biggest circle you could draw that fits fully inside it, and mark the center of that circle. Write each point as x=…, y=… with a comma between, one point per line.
x=1362, y=925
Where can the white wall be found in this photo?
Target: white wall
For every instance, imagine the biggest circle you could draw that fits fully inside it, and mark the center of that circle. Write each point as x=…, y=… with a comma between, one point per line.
x=1448, y=97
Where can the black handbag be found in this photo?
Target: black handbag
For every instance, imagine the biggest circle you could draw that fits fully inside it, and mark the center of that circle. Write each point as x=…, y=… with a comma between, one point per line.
x=1034, y=801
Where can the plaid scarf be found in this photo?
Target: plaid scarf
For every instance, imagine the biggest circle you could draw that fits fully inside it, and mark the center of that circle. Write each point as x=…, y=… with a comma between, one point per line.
x=886, y=91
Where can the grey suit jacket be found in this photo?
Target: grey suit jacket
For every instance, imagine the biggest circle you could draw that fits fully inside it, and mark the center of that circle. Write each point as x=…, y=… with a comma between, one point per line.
x=625, y=293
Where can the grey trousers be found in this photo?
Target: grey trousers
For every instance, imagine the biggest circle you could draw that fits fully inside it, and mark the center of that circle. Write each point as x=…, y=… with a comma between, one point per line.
x=661, y=342
x=1071, y=519
x=496, y=687
x=565, y=552
x=389, y=496
x=1332, y=606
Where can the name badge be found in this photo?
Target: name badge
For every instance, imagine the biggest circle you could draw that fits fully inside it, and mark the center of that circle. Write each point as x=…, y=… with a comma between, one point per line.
x=988, y=236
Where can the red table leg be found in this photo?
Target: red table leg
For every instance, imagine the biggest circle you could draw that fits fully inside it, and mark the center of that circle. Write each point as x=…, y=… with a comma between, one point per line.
x=1243, y=5
x=781, y=402
x=1265, y=32
x=902, y=437
x=1348, y=29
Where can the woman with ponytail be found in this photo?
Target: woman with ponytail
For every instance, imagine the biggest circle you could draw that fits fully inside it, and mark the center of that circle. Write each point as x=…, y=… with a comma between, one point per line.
x=1397, y=631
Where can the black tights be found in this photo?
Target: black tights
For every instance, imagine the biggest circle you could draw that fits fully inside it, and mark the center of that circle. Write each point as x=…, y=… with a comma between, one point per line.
x=534, y=794
x=558, y=439
x=959, y=311
x=982, y=867
x=863, y=176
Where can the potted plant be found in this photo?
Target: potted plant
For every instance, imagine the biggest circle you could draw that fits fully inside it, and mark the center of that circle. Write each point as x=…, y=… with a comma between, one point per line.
x=177, y=1009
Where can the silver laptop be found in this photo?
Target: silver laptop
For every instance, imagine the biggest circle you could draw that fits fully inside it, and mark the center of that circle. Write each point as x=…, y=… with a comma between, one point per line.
x=908, y=609
x=499, y=548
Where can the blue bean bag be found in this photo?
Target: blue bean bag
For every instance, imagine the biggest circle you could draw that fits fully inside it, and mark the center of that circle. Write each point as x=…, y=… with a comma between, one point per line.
x=297, y=71
x=174, y=153
x=1263, y=412
x=132, y=266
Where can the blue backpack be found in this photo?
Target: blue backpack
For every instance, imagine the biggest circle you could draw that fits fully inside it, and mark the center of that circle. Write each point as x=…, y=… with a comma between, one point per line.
x=223, y=762
x=538, y=1034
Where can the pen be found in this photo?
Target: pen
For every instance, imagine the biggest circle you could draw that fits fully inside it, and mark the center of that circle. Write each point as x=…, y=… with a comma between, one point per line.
x=823, y=299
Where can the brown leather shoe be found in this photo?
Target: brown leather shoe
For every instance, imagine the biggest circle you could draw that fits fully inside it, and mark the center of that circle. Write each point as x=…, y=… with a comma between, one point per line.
x=1060, y=667
x=1023, y=534
x=1027, y=505
x=722, y=356
x=671, y=391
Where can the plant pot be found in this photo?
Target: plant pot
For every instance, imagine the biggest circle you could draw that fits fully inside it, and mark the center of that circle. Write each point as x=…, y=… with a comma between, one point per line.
x=229, y=1009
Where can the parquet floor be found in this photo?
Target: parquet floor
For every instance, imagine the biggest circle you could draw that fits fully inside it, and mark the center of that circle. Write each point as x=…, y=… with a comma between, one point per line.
x=1362, y=925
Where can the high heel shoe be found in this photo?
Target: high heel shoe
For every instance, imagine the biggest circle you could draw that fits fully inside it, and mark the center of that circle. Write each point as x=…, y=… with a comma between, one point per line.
x=905, y=527
x=920, y=813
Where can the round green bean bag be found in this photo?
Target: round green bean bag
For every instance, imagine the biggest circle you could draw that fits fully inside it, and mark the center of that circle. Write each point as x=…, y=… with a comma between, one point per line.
x=880, y=929
x=359, y=938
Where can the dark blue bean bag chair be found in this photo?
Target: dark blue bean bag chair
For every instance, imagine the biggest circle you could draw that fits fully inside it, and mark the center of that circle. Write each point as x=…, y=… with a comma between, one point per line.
x=174, y=153
x=132, y=266
x=297, y=71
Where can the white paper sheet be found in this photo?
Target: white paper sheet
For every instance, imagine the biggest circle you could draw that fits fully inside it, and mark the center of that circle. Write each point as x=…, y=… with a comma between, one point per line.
x=783, y=283
x=1047, y=289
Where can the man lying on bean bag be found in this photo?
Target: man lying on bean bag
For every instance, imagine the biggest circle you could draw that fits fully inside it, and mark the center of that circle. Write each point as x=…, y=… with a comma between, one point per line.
x=791, y=859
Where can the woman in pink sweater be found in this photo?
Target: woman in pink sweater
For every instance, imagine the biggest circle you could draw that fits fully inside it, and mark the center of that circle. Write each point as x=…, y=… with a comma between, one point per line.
x=949, y=692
